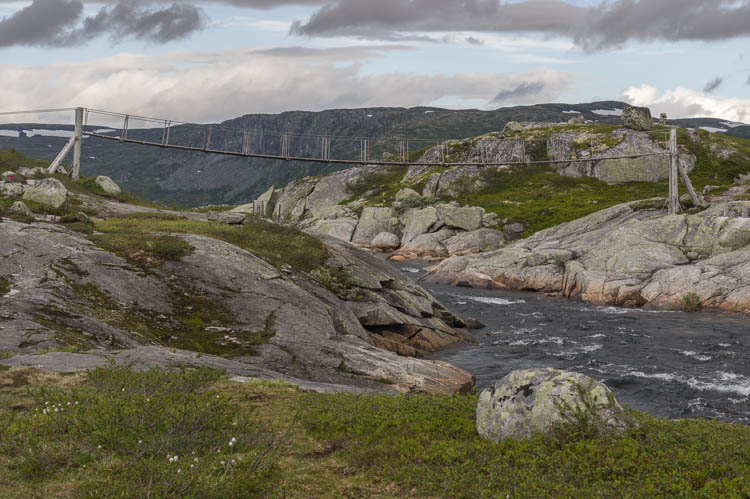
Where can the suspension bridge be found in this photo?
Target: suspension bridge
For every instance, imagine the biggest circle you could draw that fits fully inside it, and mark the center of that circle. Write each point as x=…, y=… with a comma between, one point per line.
x=254, y=143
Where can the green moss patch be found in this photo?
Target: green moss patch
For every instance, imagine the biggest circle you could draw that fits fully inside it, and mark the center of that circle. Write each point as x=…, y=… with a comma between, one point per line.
x=146, y=250
x=384, y=184
x=276, y=244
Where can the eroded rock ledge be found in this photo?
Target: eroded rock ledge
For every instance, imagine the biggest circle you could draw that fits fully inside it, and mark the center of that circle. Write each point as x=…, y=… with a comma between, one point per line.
x=78, y=305
x=627, y=255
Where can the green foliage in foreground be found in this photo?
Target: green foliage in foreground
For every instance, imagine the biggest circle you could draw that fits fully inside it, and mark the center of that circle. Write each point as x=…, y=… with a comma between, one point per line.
x=290, y=444
x=131, y=433
x=276, y=244
x=430, y=445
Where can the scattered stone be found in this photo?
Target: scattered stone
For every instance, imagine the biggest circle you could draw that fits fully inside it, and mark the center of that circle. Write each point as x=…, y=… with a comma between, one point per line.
x=490, y=220
x=710, y=188
x=385, y=241
x=9, y=176
x=686, y=200
x=398, y=258
x=11, y=191
x=107, y=185
x=473, y=324
x=525, y=403
x=407, y=194
x=637, y=118
x=49, y=192
x=577, y=120
x=514, y=230
x=20, y=208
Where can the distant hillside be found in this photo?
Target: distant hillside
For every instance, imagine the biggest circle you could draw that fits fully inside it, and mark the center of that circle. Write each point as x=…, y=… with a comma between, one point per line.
x=191, y=179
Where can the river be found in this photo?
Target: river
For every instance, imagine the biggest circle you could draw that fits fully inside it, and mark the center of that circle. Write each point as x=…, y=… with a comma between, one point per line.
x=670, y=364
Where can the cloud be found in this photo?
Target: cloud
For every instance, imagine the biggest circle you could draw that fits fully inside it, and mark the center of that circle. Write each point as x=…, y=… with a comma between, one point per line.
x=748, y=80
x=605, y=25
x=202, y=87
x=61, y=23
x=713, y=84
x=521, y=90
x=682, y=102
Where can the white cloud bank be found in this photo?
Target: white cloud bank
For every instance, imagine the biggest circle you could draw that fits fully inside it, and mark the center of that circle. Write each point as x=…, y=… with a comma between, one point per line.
x=212, y=86
x=683, y=102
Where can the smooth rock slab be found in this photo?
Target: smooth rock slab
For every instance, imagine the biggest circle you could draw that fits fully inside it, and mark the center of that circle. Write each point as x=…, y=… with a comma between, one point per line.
x=525, y=403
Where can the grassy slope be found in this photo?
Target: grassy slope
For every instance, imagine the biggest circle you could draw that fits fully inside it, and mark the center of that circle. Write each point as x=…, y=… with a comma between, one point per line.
x=313, y=445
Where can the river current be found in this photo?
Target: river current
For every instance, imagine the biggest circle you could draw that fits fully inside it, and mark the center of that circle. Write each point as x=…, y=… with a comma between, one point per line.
x=670, y=364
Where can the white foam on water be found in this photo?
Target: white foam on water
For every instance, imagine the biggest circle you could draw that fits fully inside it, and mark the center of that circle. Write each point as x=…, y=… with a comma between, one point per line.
x=591, y=348
x=696, y=355
x=571, y=112
x=494, y=301
x=9, y=133
x=725, y=345
x=596, y=336
x=411, y=269
x=608, y=112
x=104, y=130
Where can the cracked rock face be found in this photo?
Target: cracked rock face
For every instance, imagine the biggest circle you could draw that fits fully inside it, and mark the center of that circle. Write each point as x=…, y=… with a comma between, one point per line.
x=627, y=255
x=533, y=401
x=66, y=292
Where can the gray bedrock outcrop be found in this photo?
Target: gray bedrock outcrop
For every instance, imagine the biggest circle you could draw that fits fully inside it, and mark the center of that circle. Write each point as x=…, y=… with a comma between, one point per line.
x=630, y=255
x=580, y=145
x=65, y=291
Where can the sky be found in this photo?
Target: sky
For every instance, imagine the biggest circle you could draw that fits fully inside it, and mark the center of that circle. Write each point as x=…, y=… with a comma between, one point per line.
x=208, y=61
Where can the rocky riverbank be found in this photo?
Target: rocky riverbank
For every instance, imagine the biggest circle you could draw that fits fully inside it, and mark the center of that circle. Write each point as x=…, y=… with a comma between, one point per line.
x=156, y=288
x=629, y=255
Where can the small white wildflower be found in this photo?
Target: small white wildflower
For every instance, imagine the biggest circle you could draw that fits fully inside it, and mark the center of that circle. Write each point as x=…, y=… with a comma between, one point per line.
x=76, y=402
x=179, y=470
x=140, y=441
x=231, y=444
x=234, y=439
x=46, y=403
x=148, y=400
x=234, y=462
x=68, y=403
x=223, y=463
x=192, y=466
x=56, y=409
x=99, y=447
x=123, y=389
x=195, y=460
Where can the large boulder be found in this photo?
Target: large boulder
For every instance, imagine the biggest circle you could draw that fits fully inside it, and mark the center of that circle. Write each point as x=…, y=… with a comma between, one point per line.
x=107, y=185
x=431, y=187
x=385, y=241
x=340, y=228
x=637, y=118
x=465, y=218
x=525, y=403
x=418, y=222
x=227, y=217
x=428, y=245
x=372, y=222
x=477, y=241
x=48, y=192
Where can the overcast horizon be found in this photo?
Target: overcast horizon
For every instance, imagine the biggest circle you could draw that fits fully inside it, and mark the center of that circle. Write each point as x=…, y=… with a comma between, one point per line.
x=208, y=61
